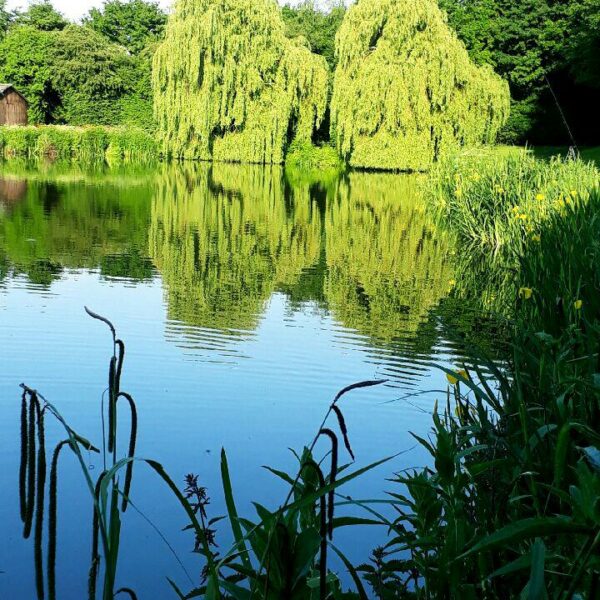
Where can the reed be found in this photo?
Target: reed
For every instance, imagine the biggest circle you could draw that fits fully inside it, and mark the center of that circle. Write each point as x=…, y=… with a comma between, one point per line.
x=89, y=144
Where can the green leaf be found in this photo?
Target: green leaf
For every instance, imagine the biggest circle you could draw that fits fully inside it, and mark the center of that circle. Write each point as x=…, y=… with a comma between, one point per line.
x=537, y=587
x=232, y=511
x=526, y=529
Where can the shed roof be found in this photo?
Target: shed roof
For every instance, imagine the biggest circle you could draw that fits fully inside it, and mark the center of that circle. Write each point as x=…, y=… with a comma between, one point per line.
x=7, y=87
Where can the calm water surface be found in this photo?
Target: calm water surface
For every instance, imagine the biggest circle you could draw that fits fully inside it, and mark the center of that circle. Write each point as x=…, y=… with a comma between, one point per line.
x=246, y=300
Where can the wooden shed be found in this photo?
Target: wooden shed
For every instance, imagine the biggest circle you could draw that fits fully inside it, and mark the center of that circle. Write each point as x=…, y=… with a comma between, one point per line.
x=13, y=106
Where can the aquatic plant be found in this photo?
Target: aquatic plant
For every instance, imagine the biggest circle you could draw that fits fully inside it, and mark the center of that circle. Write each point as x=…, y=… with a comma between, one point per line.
x=405, y=92
x=230, y=86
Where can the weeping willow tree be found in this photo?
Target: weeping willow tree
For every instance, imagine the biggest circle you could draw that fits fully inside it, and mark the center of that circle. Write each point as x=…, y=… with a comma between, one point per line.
x=405, y=91
x=229, y=85
x=387, y=264
x=224, y=237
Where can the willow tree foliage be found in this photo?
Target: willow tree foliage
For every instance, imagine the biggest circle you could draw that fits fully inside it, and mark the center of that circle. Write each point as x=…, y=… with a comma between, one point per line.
x=405, y=90
x=229, y=85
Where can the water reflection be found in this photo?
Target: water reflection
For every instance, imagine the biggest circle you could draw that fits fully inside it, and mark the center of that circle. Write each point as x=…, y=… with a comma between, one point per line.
x=225, y=238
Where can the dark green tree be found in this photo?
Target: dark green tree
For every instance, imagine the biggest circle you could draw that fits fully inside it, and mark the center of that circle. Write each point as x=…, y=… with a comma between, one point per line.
x=316, y=24
x=43, y=16
x=535, y=44
x=130, y=23
x=26, y=63
x=582, y=44
x=76, y=76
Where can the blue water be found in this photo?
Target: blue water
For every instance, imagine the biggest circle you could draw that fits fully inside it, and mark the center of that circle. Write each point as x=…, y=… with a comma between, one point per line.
x=256, y=383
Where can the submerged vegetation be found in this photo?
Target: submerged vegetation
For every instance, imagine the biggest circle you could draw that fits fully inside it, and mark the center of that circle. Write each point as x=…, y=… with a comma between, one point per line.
x=405, y=91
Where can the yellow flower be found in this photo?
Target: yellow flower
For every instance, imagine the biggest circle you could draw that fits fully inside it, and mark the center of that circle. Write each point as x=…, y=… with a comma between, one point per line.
x=452, y=282
x=573, y=192
x=499, y=189
x=536, y=238
x=540, y=197
x=452, y=380
x=458, y=192
x=516, y=209
x=525, y=293
x=578, y=304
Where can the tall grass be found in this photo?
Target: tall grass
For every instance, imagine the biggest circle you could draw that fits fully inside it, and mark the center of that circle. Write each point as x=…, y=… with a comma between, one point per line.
x=500, y=202
x=81, y=143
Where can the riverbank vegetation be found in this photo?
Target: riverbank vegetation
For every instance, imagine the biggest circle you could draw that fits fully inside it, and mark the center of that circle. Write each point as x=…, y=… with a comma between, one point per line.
x=112, y=144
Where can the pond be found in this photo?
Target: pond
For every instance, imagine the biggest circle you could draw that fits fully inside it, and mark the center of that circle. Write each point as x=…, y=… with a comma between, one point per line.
x=246, y=298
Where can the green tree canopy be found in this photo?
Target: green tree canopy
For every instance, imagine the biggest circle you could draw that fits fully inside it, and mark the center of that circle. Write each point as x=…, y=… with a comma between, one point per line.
x=405, y=90
x=532, y=43
x=229, y=85
x=318, y=26
x=43, y=16
x=73, y=75
x=130, y=23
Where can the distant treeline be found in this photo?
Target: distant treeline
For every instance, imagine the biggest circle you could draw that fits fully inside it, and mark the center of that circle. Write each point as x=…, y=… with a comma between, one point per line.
x=99, y=72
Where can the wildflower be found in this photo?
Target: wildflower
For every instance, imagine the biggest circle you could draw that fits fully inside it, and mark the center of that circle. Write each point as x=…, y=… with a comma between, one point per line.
x=458, y=192
x=578, y=304
x=499, y=189
x=525, y=293
x=536, y=238
x=540, y=197
x=573, y=192
x=453, y=380
x=452, y=282
x=516, y=209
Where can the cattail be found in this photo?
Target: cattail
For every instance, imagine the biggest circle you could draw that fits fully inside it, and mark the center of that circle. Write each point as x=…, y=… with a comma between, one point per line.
x=93, y=574
x=120, y=358
x=111, y=404
x=356, y=386
x=332, y=476
x=343, y=428
x=52, y=521
x=40, y=497
x=131, y=452
x=30, y=501
x=24, y=457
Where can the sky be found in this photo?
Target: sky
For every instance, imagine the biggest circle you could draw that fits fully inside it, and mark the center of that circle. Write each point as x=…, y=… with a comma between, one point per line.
x=73, y=9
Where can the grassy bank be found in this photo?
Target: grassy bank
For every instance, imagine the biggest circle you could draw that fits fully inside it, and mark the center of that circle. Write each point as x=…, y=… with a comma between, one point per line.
x=79, y=143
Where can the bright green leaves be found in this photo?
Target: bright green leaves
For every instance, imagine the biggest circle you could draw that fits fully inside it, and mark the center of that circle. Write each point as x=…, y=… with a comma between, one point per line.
x=405, y=90
x=229, y=85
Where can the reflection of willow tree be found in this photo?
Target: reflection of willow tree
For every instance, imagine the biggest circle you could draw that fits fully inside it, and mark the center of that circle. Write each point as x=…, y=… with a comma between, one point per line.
x=387, y=266
x=225, y=236
x=57, y=225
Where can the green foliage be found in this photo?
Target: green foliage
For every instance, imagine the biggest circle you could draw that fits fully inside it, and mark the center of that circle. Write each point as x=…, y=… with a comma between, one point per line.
x=41, y=15
x=133, y=24
x=499, y=202
x=528, y=41
x=229, y=85
x=76, y=76
x=318, y=26
x=306, y=158
x=83, y=143
x=405, y=91
x=510, y=507
x=25, y=64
